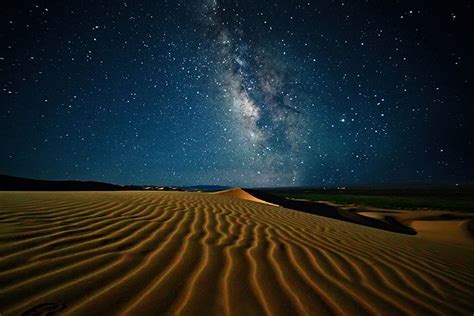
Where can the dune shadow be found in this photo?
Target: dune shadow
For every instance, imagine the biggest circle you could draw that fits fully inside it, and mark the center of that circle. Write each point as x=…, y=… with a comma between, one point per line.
x=334, y=212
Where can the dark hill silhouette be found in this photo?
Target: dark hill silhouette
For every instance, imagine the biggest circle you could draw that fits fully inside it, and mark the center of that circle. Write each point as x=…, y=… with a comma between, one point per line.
x=10, y=183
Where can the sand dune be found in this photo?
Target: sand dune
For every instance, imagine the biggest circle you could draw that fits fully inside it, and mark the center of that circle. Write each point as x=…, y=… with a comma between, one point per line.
x=238, y=193
x=144, y=253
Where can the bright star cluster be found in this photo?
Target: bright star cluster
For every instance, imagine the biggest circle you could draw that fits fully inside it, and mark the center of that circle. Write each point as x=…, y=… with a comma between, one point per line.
x=241, y=93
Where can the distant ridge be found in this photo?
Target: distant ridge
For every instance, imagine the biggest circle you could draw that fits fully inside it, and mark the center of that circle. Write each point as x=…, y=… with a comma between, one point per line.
x=10, y=183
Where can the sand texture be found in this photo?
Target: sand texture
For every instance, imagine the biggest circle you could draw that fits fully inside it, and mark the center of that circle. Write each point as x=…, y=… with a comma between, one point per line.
x=158, y=253
x=242, y=194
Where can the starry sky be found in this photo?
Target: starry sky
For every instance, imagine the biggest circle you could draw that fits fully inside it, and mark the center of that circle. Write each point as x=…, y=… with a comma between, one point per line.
x=241, y=93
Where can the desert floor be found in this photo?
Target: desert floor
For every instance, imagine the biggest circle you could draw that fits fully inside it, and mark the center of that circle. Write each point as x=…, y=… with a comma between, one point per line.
x=153, y=253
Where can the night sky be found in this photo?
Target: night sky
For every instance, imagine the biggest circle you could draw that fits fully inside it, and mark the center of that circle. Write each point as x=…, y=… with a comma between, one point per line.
x=243, y=93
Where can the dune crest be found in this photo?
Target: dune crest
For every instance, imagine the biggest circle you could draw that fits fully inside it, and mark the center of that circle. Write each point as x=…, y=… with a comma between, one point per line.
x=241, y=194
x=180, y=253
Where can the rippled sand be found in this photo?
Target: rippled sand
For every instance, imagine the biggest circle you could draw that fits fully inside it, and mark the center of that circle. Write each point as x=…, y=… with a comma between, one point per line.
x=144, y=253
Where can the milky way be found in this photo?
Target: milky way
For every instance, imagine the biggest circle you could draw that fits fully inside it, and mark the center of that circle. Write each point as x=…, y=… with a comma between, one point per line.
x=253, y=88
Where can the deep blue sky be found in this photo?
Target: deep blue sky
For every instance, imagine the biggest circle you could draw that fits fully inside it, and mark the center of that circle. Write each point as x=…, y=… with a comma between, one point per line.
x=247, y=93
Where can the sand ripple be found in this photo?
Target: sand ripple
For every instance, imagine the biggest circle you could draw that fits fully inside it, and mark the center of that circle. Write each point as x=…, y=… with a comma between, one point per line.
x=143, y=253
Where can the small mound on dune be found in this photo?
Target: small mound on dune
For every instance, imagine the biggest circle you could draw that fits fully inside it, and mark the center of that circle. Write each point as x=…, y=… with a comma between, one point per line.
x=450, y=226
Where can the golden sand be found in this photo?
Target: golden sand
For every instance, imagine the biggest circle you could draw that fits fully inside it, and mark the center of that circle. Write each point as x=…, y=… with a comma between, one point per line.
x=153, y=253
x=241, y=194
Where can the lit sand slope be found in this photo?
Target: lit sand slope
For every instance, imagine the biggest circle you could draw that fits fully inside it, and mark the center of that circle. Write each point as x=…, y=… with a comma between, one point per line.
x=241, y=194
x=151, y=253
